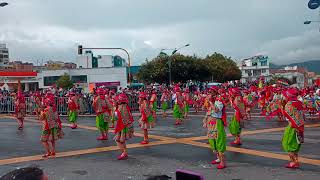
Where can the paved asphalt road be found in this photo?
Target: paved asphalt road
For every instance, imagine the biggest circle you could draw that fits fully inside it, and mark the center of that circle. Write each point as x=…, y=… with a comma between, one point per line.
x=184, y=147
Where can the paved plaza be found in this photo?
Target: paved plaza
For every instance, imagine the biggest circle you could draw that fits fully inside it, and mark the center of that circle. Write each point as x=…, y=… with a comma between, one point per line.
x=81, y=156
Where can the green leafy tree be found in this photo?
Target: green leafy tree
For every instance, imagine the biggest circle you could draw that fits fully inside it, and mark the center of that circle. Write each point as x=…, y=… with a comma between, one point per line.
x=65, y=82
x=215, y=67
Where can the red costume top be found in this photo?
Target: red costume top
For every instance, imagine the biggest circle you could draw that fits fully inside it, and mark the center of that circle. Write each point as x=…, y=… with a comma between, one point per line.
x=20, y=106
x=73, y=102
x=125, y=118
x=293, y=110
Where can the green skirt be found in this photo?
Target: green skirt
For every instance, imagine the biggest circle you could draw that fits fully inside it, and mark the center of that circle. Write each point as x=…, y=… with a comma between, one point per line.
x=147, y=125
x=186, y=108
x=177, y=113
x=290, y=141
x=73, y=116
x=234, y=127
x=101, y=124
x=52, y=134
x=124, y=134
x=219, y=143
x=154, y=106
x=164, y=106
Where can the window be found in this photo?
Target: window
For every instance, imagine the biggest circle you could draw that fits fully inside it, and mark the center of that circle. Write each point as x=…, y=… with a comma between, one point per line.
x=294, y=79
x=263, y=70
x=264, y=63
x=257, y=72
x=50, y=80
x=95, y=62
x=79, y=79
x=248, y=72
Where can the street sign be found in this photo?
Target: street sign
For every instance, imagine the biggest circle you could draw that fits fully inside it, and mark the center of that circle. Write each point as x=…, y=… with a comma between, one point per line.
x=314, y=4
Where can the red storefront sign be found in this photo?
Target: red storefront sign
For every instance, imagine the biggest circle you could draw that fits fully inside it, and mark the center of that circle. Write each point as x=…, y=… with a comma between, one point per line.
x=17, y=74
x=117, y=83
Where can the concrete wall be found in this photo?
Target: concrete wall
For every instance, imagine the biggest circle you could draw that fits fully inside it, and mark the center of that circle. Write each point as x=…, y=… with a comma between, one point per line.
x=105, y=61
x=291, y=75
x=84, y=61
x=95, y=75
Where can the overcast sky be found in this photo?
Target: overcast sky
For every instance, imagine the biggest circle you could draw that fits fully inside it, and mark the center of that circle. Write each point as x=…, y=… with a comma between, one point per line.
x=52, y=29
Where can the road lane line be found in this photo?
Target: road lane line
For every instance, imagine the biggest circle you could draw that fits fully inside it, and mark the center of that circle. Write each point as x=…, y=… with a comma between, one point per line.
x=80, y=152
x=257, y=153
x=163, y=138
x=260, y=131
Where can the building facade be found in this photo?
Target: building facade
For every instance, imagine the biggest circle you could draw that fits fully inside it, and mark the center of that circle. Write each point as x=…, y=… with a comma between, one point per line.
x=298, y=76
x=88, y=60
x=86, y=78
x=4, y=57
x=20, y=66
x=254, y=67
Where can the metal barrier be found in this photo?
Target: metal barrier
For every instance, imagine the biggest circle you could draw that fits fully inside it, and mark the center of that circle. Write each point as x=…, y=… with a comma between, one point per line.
x=7, y=105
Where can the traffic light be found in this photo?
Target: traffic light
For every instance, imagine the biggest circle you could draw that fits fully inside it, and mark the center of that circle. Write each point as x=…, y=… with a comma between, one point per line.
x=80, y=49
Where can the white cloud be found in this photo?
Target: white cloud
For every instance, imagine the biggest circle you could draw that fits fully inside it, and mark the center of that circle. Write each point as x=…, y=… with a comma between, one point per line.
x=302, y=47
x=44, y=29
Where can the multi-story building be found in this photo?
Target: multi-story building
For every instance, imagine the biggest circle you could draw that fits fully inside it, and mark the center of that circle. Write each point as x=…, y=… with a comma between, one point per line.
x=88, y=60
x=297, y=75
x=70, y=65
x=4, y=57
x=55, y=65
x=254, y=67
x=86, y=78
x=20, y=66
x=106, y=70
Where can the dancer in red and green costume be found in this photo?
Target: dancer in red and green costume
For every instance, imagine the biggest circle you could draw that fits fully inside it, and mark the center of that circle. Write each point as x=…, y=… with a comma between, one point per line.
x=146, y=121
x=154, y=104
x=73, y=107
x=112, y=97
x=124, y=128
x=178, y=106
x=248, y=102
x=187, y=101
x=102, y=108
x=317, y=101
x=37, y=101
x=51, y=127
x=20, y=109
x=164, y=102
x=275, y=107
x=215, y=122
x=197, y=101
x=237, y=104
x=262, y=101
x=293, y=134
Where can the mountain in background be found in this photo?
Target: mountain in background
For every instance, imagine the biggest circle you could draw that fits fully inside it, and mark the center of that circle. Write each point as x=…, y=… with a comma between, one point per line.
x=313, y=66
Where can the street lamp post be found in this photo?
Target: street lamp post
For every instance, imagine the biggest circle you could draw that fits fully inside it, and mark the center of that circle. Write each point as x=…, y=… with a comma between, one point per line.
x=309, y=22
x=175, y=50
x=80, y=48
x=313, y=4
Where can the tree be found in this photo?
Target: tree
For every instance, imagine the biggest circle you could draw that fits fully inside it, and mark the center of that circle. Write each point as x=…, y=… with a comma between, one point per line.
x=64, y=81
x=215, y=67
